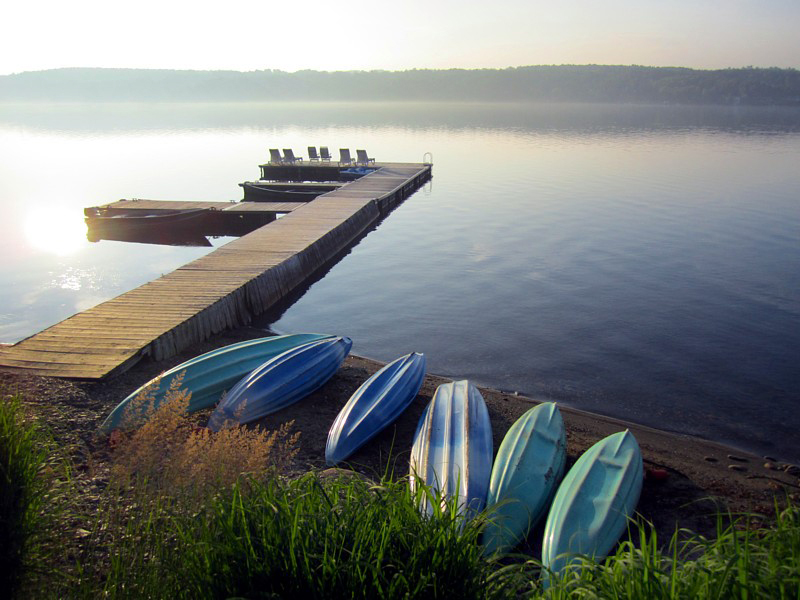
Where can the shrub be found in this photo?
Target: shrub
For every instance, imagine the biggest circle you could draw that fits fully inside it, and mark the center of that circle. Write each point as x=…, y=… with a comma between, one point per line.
x=172, y=456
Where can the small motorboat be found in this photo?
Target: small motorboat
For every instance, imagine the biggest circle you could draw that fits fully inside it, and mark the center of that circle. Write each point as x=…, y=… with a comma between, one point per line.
x=264, y=191
x=103, y=223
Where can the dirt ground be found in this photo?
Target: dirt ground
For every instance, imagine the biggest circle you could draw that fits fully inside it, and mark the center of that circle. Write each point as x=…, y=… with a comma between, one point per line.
x=686, y=479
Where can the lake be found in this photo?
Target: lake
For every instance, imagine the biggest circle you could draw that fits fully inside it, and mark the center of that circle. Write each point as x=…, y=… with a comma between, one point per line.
x=639, y=262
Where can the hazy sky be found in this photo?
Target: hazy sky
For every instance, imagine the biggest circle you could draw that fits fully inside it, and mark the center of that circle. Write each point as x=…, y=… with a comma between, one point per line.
x=329, y=35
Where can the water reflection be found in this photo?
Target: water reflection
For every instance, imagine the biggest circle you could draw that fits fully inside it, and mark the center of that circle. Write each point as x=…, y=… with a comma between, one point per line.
x=161, y=238
x=540, y=117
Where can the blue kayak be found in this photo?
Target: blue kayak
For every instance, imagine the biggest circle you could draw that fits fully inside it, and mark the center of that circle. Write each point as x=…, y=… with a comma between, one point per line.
x=527, y=469
x=208, y=375
x=281, y=381
x=452, y=450
x=593, y=503
x=374, y=405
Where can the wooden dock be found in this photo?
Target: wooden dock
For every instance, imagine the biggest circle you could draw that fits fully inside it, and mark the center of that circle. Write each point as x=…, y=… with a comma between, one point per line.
x=221, y=290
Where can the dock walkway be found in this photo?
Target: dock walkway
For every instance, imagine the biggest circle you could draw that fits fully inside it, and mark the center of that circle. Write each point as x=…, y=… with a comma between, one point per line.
x=221, y=290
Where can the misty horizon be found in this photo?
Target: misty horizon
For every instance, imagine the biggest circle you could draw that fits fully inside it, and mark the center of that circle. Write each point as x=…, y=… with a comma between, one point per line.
x=402, y=70
x=565, y=83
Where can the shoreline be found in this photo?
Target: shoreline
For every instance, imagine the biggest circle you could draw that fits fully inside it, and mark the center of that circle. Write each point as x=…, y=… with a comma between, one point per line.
x=688, y=480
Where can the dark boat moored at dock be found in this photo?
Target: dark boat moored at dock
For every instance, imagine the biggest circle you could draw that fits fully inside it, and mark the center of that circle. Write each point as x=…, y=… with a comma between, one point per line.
x=257, y=191
x=103, y=224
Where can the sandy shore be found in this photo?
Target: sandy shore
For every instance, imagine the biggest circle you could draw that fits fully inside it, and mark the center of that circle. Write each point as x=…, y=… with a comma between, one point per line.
x=687, y=479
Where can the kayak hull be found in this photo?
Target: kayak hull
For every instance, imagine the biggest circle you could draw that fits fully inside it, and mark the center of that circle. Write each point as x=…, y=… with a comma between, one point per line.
x=527, y=469
x=281, y=381
x=375, y=405
x=452, y=450
x=594, y=502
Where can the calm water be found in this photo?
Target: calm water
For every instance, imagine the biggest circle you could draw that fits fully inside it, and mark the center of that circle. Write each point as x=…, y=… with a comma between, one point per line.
x=638, y=262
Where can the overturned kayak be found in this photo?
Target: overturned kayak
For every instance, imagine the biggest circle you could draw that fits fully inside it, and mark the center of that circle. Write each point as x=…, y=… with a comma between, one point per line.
x=206, y=376
x=593, y=503
x=452, y=450
x=527, y=469
x=281, y=381
x=375, y=405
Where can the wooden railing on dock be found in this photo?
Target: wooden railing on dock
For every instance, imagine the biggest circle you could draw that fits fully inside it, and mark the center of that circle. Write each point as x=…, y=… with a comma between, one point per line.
x=221, y=290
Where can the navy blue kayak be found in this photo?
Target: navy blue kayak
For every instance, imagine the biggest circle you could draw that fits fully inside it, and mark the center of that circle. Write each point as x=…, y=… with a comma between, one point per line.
x=206, y=376
x=375, y=405
x=281, y=381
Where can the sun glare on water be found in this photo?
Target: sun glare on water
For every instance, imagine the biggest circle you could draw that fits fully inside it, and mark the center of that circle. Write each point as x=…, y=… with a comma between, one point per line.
x=55, y=230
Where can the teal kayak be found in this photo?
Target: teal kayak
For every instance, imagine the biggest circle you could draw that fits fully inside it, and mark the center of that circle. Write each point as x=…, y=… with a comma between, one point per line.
x=207, y=376
x=527, y=469
x=592, y=505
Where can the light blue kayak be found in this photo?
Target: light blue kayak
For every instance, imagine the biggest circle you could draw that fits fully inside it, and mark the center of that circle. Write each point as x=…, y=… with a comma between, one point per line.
x=452, y=450
x=527, y=469
x=281, y=381
x=593, y=503
x=375, y=405
x=207, y=376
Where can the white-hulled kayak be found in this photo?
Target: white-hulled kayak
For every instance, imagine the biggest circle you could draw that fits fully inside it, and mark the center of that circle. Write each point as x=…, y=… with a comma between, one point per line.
x=452, y=450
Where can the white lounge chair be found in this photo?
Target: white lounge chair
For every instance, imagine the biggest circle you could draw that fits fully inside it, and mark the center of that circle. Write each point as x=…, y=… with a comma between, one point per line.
x=344, y=156
x=289, y=157
x=362, y=158
x=324, y=153
x=275, y=156
x=312, y=153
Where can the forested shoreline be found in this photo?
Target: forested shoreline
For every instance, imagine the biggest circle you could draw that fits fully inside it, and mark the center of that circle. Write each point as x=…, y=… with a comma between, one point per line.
x=567, y=83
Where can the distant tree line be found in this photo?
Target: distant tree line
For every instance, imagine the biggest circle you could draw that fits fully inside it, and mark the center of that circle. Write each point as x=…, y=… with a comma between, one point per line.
x=567, y=83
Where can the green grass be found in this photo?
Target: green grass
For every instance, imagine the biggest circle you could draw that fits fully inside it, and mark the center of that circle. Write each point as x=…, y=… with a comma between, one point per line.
x=305, y=538
x=23, y=452
x=741, y=561
x=314, y=538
